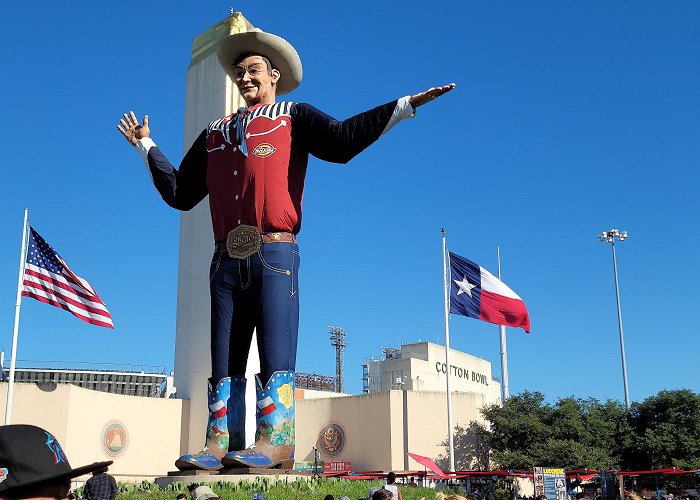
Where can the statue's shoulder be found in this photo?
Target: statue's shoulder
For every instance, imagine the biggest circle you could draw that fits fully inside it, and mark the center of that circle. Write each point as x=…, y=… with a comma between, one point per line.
x=273, y=111
x=221, y=124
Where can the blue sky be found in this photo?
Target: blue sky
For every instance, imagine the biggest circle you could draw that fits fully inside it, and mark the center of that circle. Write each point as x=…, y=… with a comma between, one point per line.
x=568, y=118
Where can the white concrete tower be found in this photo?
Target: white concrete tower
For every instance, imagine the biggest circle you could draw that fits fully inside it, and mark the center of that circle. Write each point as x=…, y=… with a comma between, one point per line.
x=210, y=94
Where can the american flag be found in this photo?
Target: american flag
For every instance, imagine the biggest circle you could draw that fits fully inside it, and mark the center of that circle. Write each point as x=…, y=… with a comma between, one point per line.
x=49, y=279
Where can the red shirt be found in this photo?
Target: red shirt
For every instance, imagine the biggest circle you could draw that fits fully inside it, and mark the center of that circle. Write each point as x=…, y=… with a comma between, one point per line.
x=265, y=188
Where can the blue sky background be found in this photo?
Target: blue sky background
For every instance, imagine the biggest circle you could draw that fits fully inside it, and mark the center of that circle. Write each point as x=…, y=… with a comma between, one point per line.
x=568, y=118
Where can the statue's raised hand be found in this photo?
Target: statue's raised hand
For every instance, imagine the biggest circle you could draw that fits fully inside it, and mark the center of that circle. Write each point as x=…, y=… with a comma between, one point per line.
x=131, y=129
x=429, y=95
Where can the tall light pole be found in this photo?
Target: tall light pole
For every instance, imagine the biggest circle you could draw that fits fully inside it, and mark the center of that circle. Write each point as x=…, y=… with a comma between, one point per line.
x=609, y=237
x=338, y=341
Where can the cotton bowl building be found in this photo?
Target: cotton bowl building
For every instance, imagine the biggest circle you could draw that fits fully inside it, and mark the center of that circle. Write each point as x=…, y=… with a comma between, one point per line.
x=422, y=367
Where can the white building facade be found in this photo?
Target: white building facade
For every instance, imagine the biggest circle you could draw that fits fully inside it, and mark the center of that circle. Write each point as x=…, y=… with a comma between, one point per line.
x=422, y=367
x=210, y=94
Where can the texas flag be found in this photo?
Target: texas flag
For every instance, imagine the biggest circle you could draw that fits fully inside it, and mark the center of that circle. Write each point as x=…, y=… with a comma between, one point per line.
x=476, y=293
x=266, y=405
x=218, y=409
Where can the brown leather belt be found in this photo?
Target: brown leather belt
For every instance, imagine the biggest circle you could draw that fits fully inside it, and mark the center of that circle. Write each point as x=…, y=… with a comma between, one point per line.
x=281, y=237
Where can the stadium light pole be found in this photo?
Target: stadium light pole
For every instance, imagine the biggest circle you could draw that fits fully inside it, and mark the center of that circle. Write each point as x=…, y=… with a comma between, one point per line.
x=610, y=236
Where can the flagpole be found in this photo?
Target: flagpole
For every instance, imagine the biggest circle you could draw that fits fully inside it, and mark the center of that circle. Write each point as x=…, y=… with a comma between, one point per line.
x=447, y=352
x=15, y=331
x=504, y=348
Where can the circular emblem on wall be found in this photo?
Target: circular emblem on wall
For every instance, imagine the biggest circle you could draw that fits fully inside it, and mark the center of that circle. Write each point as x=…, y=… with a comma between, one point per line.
x=114, y=438
x=331, y=439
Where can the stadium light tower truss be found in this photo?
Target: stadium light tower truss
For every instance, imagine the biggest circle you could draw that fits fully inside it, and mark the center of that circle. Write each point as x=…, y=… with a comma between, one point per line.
x=338, y=341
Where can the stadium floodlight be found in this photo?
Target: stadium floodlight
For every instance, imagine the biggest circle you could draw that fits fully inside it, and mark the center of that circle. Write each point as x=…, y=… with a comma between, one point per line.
x=610, y=236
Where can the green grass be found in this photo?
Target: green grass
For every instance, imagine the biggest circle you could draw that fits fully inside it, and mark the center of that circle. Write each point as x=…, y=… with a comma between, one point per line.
x=272, y=489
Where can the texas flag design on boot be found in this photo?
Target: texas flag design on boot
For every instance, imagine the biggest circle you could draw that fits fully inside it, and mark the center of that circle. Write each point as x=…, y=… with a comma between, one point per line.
x=476, y=293
x=218, y=409
x=274, y=439
x=266, y=406
x=217, y=437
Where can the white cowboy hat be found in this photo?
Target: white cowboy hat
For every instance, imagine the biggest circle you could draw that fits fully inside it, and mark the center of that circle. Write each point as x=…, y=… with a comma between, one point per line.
x=279, y=51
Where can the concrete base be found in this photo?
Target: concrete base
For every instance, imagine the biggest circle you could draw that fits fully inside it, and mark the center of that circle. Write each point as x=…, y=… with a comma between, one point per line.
x=192, y=473
x=228, y=475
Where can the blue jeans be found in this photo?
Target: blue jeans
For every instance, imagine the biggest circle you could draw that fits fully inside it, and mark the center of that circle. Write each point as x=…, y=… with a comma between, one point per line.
x=259, y=292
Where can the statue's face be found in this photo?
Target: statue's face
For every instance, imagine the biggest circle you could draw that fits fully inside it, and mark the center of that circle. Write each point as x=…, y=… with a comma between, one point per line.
x=256, y=81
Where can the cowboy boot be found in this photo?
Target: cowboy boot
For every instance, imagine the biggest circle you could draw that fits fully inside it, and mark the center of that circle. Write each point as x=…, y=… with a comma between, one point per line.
x=217, y=440
x=274, y=437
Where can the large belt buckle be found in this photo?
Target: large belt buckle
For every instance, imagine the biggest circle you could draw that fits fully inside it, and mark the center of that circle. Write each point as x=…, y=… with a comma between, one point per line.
x=243, y=241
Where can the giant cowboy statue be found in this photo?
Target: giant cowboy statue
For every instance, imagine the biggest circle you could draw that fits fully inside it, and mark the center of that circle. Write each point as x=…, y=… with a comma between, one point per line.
x=252, y=165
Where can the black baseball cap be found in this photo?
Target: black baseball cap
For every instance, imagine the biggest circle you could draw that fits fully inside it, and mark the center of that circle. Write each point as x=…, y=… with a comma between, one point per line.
x=30, y=456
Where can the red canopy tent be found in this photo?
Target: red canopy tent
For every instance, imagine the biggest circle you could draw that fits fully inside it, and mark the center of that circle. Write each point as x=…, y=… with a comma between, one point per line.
x=428, y=463
x=584, y=474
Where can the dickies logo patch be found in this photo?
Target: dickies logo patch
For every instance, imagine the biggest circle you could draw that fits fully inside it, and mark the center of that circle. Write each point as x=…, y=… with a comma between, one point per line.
x=264, y=150
x=3, y=474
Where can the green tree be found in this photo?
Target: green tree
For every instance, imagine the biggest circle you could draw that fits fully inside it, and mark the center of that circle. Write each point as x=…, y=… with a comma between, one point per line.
x=576, y=433
x=526, y=431
x=516, y=429
x=666, y=431
x=471, y=452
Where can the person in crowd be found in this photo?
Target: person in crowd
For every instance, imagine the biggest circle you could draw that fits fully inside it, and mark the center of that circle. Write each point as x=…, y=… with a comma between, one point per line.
x=181, y=496
x=204, y=493
x=391, y=485
x=34, y=465
x=382, y=494
x=441, y=496
x=412, y=483
x=328, y=497
x=101, y=486
x=191, y=488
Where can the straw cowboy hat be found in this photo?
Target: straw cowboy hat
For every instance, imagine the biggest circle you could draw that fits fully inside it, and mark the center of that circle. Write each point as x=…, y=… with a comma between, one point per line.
x=203, y=493
x=279, y=51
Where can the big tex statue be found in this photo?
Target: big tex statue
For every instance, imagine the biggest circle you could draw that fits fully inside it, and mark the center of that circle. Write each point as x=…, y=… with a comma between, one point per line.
x=252, y=165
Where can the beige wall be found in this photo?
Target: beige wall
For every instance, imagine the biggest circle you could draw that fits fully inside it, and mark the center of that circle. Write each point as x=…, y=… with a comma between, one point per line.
x=427, y=421
x=315, y=394
x=77, y=417
x=366, y=420
x=381, y=428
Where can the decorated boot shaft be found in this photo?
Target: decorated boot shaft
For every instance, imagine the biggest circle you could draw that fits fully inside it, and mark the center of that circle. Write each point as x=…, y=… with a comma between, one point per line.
x=236, y=414
x=275, y=432
x=225, y=425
